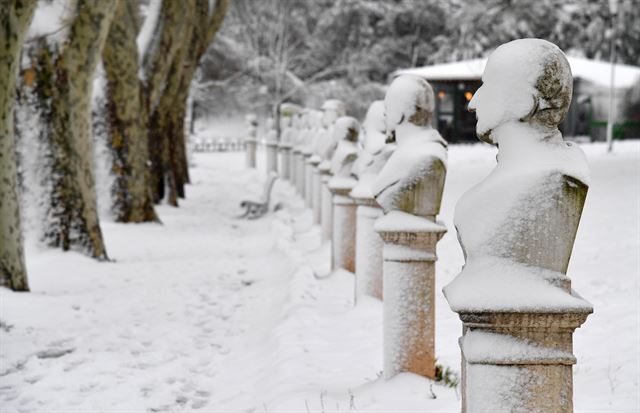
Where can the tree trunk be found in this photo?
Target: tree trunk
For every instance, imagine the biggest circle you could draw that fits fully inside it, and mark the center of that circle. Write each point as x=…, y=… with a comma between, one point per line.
x=66, y=76
x=171, y=32
x=172, y=108
x=132, y=199
x=14, y=23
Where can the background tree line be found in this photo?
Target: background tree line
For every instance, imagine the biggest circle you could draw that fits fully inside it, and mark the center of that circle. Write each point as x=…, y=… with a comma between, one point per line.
x=312, y=50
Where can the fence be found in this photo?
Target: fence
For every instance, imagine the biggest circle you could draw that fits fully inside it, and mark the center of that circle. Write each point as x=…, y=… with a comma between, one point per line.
x=219, y=145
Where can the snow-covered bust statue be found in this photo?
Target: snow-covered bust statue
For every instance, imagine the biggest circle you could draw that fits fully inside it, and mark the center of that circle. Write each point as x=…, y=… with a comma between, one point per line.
x=412, y=179
x=345, y=134
x=332, y=109
x=525, y=214
x=374, y=152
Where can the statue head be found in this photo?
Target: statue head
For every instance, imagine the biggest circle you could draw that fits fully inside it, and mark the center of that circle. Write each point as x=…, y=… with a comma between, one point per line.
x=374, y=126
x=409, y=99
x=332, y=110
x=525, y=80
x=346, y=128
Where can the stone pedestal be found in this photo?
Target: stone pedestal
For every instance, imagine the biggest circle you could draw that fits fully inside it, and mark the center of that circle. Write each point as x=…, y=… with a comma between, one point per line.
x=272, y=157
x=343, y=237
x=368, y=249
x=317, y=195
x=309, y=164
x=299, y=172
x=409, y=255
x=519, y=362
x=292, y=166
x=326, y=202
x=285, y=162
x=250, y=145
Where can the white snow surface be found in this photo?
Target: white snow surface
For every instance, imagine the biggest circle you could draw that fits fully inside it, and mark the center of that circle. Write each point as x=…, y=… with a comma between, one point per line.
x=50, y=19
x=213, y=313
x=150, y=13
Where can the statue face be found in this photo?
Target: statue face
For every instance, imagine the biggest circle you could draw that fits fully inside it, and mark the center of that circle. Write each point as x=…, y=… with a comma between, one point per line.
x=502, y=97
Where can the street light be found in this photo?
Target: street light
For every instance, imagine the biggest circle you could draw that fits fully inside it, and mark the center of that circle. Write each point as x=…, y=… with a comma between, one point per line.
x=613, y=8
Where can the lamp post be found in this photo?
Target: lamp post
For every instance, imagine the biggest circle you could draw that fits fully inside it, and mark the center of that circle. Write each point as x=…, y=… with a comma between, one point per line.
x=613, y=7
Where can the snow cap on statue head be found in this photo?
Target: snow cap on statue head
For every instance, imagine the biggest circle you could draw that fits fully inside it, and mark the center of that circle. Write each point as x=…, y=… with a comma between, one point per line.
x=409, y=98
x=332, y=110
x=346, y=128
x=525, y=80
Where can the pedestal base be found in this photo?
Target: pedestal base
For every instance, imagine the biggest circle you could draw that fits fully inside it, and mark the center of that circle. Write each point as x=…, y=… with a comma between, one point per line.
x=251, y=153
x=285, y=171
x=518, y=362
x=343, y=244
x=326, y=220
x=317, y=196
x=272, y=157
x=368, y=249
x=409, y=294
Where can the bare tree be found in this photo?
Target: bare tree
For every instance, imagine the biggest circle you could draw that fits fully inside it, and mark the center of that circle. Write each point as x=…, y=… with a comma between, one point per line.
x=167, y=120
x=15, y=16
x=64, y=83
x=128, y=141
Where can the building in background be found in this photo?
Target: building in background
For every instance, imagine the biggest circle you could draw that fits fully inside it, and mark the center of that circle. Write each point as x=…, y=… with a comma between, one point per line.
x=455, y=83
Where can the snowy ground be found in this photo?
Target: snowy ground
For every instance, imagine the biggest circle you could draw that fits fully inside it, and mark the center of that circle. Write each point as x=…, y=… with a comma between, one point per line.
x=214, y=314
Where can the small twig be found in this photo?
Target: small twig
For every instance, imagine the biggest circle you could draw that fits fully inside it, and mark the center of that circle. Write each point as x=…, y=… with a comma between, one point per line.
x=433, y=395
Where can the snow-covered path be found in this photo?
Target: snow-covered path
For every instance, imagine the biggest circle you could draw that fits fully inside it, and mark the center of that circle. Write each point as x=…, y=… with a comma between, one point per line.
x=214, y=314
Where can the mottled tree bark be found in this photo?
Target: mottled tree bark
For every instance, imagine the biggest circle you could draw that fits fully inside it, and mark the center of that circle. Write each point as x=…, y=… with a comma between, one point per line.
x=173, y=107
x=15, y=16
x=64, y=84
x=172, y=31
x=132, y=199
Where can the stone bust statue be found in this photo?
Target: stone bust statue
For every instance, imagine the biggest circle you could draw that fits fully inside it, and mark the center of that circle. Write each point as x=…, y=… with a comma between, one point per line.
x=412, y=179
x=332, y=109
x=528, y=209
x=345, y=134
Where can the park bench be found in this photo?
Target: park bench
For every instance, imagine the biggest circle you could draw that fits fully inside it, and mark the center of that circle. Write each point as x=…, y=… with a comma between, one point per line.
x=255, y=209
